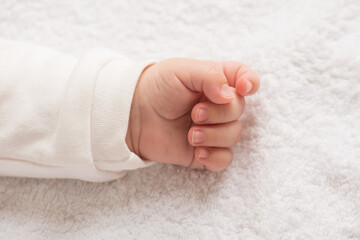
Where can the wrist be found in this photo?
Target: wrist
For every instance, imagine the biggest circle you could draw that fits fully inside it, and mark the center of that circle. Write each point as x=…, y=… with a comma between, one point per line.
x=134, y=126
x=133, y=132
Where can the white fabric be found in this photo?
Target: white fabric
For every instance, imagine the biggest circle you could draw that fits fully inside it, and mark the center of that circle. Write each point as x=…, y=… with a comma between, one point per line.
x=62, y=117
x=296, y=171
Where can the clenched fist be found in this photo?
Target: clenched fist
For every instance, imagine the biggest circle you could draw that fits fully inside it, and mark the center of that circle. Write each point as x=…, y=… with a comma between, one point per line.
x=185, y=112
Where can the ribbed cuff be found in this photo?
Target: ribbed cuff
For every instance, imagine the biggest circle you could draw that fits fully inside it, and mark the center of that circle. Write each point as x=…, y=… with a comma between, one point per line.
x=114, y=90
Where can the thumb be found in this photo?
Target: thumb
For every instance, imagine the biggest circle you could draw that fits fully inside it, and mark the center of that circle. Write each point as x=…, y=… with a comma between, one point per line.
x=202, y=76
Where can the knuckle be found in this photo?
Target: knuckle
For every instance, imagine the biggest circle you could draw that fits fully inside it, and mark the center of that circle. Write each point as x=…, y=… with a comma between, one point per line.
x=239, y=107
x=238, y=132
x=230, y=158
x=235, y=141
x=213, y=69
x=242, y=106
x=213, y=66
x=226, y=160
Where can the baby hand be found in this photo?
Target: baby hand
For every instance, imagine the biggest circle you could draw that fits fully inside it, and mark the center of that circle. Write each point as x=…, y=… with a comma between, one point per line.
x=186, y=111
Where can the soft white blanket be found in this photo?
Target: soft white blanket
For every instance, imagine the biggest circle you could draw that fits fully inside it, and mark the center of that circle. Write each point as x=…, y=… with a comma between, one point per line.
x=296, y=172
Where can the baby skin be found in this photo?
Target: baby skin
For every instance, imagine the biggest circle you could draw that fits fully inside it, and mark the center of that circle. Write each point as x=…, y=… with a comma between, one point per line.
x=186, y=111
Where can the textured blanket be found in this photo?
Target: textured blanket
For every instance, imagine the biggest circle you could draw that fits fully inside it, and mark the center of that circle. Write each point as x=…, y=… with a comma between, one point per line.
x=296, y=172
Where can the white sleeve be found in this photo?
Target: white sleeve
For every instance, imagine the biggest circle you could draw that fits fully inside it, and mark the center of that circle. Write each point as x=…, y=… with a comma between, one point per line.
x=62, y=117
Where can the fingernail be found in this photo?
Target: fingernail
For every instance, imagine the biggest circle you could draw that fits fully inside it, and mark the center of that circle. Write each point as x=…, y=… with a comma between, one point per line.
x=201, y=115
x=204, y=153
x=226, y=91
x=198, y=137
x=249, y=86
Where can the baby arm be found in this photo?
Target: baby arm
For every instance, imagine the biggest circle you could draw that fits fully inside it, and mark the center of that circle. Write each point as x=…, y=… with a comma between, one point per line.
x=95, y=117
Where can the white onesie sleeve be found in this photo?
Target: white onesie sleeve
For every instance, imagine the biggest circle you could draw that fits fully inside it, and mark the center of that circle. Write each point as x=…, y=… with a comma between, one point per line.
x=62, y=117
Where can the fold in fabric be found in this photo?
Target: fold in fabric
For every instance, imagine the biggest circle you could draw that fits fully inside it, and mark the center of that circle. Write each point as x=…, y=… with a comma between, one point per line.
x=62, y=117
